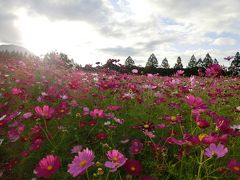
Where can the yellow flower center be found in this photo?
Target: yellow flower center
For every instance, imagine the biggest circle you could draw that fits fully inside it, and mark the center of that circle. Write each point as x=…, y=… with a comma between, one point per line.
x=146, y=126
x=49, y=168
x=236, y=168
x=115, y=158
x=78, y=114
x=173, y=118
x=133, y=168
x=83, y=163
x=100, y=171
x=116, y=164
x=62, y=110
x=201, y=136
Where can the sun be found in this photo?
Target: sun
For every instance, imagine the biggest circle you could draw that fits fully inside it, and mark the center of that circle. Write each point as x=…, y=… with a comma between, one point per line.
x=41, y=35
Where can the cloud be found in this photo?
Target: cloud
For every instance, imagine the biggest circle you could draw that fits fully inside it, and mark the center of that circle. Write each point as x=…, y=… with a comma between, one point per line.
x=119, y=28
x=8, y=32
x=224, y=41
x=120, y=51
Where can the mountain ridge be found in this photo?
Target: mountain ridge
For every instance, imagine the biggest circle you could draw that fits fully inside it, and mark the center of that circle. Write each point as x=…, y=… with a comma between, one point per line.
x=15, y=48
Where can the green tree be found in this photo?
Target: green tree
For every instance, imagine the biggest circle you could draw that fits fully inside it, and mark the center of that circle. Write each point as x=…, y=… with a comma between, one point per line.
x=193, y=62
x=207, y=61
x=152, y=62
x=199, y=63
x=68, y=62
x=215, y=61
x=165, y=63
x=235, y=65
x=129, y=62
x=178, y=65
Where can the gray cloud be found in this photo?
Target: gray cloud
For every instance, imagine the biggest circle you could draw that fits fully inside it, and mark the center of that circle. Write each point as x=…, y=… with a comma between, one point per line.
x=91, y=11
x=120, y=51
x=167, y=22
x=8, y=32
x=218, y=16
x=87, y=10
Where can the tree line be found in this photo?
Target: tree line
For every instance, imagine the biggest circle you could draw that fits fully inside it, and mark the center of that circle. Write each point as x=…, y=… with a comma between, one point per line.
x=193, y=62
x=152, y=63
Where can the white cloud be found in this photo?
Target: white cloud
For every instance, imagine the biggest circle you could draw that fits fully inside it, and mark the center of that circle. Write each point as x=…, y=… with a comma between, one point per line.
x=90, y=30
x=224, y=41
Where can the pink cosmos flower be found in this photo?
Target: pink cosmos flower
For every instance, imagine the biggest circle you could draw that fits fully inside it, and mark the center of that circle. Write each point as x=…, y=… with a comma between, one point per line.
x=133, y=167
x=114, y=108
x=229, y=58
x=36, y=129
x=81, y=162
x=193, y=82
x=46, y=111
x=97, y=113
x=202, y=123
x=218, y=150
x=118, y=120
x=135, y=71
x=179, y=73
x=27, y=115
x=172, y=140
x=36, y=143
x=136, y=146
x=63, y=107
x=196, y=103
x=16, y=91
x=116, y=158
x=150, y=75
x=160, y=126
x=47, y=166
x=174, y=119
x=86, y=111
x=15, y=133
x=234, y=166
x=149, y=134
x=222, y=123
x=213, y=70
x=158, y=94
x=76, y=149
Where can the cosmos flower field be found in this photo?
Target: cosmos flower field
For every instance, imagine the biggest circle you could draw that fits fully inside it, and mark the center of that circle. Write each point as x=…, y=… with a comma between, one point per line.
x=57, y=123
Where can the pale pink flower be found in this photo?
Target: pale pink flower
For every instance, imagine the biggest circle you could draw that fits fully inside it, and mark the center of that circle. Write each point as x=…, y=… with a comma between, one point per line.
x=116, y=158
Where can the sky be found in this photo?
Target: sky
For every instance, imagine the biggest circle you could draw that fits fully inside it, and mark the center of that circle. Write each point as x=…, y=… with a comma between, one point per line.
x=96, y=30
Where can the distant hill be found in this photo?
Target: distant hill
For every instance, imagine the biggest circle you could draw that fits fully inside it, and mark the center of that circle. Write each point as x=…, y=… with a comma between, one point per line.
x=12, y=47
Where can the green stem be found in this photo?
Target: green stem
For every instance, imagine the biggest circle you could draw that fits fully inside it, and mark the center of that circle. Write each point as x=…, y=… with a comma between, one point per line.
x=200, y=165
x=46, y=134
x=90, y=132
x=87, y=174
x=107, y=175
x=120, y=175
x=194, y=130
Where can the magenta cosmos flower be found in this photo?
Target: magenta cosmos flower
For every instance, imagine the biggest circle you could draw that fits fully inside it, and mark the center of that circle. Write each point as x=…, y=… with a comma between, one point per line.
x=213, y=70
x=135, y=71
x=197, y=104
x=133, y=167
x=16, y=91
x=234, y=166
x=218, y=150
x=81, y=162
x=116, y=158
x=47, y=166
x=46, y=111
